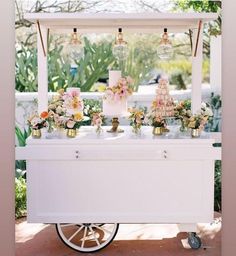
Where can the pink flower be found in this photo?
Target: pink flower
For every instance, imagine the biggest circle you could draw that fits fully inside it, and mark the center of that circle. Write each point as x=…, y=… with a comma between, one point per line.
x=70, y=124
x=74, y=94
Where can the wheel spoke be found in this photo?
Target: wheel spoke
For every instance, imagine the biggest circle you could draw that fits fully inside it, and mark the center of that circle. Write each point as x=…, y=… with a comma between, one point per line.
x=76, y=233
x=102, y=229
x=94, y=235
x=83, y=239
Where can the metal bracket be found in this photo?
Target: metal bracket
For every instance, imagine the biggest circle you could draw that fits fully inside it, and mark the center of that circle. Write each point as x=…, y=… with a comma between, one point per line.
x=198, y=34
x=191, y=39
x=41, y=38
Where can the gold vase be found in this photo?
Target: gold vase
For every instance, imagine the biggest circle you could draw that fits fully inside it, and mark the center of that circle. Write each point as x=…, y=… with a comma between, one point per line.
x=36, y=133
x=71, y=133
x=157, y=130
x=195, y=133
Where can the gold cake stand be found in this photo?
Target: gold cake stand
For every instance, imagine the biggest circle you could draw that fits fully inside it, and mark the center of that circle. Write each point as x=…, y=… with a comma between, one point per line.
x=115, y=126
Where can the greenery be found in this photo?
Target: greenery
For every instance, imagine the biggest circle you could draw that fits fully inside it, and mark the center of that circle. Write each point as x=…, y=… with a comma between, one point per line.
x=20, y=197
x=212, y=28
x=21, y=137
x=218, y=173
x=180, y=70
x=20, y=175
x=94, y=65
x=214, y=124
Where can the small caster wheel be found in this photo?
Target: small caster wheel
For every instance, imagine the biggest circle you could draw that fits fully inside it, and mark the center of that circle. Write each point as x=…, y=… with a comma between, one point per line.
x=194, y=241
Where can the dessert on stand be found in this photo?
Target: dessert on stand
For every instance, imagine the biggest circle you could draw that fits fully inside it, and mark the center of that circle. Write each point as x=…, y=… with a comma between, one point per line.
x=115, y=98
x=163, y=103
x=162, y=108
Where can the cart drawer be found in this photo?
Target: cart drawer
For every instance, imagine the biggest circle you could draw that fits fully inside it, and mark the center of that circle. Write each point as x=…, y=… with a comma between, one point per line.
x=116, y=152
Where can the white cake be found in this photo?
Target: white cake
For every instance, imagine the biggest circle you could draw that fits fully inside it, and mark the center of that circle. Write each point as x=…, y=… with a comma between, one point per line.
x=110, y=107
x=74, y=93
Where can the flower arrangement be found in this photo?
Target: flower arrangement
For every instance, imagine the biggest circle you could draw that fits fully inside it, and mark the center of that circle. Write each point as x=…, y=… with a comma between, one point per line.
x=56, y=109
x=121, y=91
x=155, y=119
x=199, y=120
x=136, y=119
x=65, y=110
x=37, y=122
x=72, y=102
x=182, y=112
x=97, y=120
x=74, y=121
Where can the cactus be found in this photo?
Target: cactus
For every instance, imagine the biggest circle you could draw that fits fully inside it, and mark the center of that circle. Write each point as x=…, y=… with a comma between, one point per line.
x=94, y=65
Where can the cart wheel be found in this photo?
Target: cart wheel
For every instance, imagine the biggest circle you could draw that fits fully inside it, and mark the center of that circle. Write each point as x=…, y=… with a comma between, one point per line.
x=194, y=241
x=87, y=237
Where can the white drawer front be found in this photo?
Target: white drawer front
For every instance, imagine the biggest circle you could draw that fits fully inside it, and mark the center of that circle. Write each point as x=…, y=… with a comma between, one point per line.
x=118, y=152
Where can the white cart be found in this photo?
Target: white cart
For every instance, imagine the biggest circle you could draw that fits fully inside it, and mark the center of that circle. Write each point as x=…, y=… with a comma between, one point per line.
x=100, y=181
x=87, y=185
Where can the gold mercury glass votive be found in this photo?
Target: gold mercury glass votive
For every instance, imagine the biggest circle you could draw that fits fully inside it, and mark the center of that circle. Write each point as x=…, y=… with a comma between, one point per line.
x=195, y=133
x=157, y=130
x=36, y=133
x=71, y=133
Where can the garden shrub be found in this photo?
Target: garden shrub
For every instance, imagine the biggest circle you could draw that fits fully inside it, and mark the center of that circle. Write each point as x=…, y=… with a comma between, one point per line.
x=20, y=197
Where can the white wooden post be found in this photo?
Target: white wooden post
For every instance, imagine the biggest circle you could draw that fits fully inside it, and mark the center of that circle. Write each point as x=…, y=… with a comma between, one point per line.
x=42, y=70
x=215, y=64
x=197, y=72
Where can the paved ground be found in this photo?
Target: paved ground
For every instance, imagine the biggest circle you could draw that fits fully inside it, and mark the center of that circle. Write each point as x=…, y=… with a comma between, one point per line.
x=138, y=240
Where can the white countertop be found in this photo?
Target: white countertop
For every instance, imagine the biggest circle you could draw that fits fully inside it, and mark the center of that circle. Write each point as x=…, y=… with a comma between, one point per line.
x=87, y=135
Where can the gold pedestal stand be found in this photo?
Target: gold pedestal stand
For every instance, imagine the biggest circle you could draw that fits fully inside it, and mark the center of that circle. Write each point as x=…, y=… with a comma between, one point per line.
x=115, y=126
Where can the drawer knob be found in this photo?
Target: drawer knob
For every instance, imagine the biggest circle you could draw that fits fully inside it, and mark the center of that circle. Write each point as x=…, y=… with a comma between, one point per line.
x=77, y=156
x=77, y=151
x=165, y=154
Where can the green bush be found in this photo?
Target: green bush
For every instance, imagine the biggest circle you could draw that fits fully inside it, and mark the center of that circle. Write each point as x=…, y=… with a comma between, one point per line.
x=21, y=137
x=218, y=173
x=20, y=197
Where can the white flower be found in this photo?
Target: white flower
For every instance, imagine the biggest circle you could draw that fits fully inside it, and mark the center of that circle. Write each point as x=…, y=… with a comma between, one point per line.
x=59, y=110
x=208, y=112
x=36, y=120
x=203, y=105
x=70, y=124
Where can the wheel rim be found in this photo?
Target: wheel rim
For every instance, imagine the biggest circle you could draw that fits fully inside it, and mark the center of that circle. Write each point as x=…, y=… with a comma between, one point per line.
x=87, y=237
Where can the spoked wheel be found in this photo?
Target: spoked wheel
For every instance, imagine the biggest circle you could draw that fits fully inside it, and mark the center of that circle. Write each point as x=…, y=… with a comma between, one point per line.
x=87, y=237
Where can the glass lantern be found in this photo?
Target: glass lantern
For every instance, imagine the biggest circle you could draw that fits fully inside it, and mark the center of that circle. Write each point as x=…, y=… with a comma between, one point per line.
x=75, y=48
x=120, y=48
x=165, y=49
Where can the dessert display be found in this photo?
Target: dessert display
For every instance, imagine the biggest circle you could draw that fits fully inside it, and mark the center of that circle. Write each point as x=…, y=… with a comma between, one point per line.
x=163, y=105
x=116, y=94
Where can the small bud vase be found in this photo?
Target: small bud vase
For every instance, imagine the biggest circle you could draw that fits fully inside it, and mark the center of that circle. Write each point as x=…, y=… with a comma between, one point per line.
x=36, y=133
x=195, y=133
x=183, y=128
x=71, y=133
x=98, y=129
x=157, y=131
x=136, y=129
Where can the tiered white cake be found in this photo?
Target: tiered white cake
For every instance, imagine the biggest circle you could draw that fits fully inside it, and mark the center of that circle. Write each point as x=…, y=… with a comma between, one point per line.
x=72, y=101
x=163, y=104
x=111, y=107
